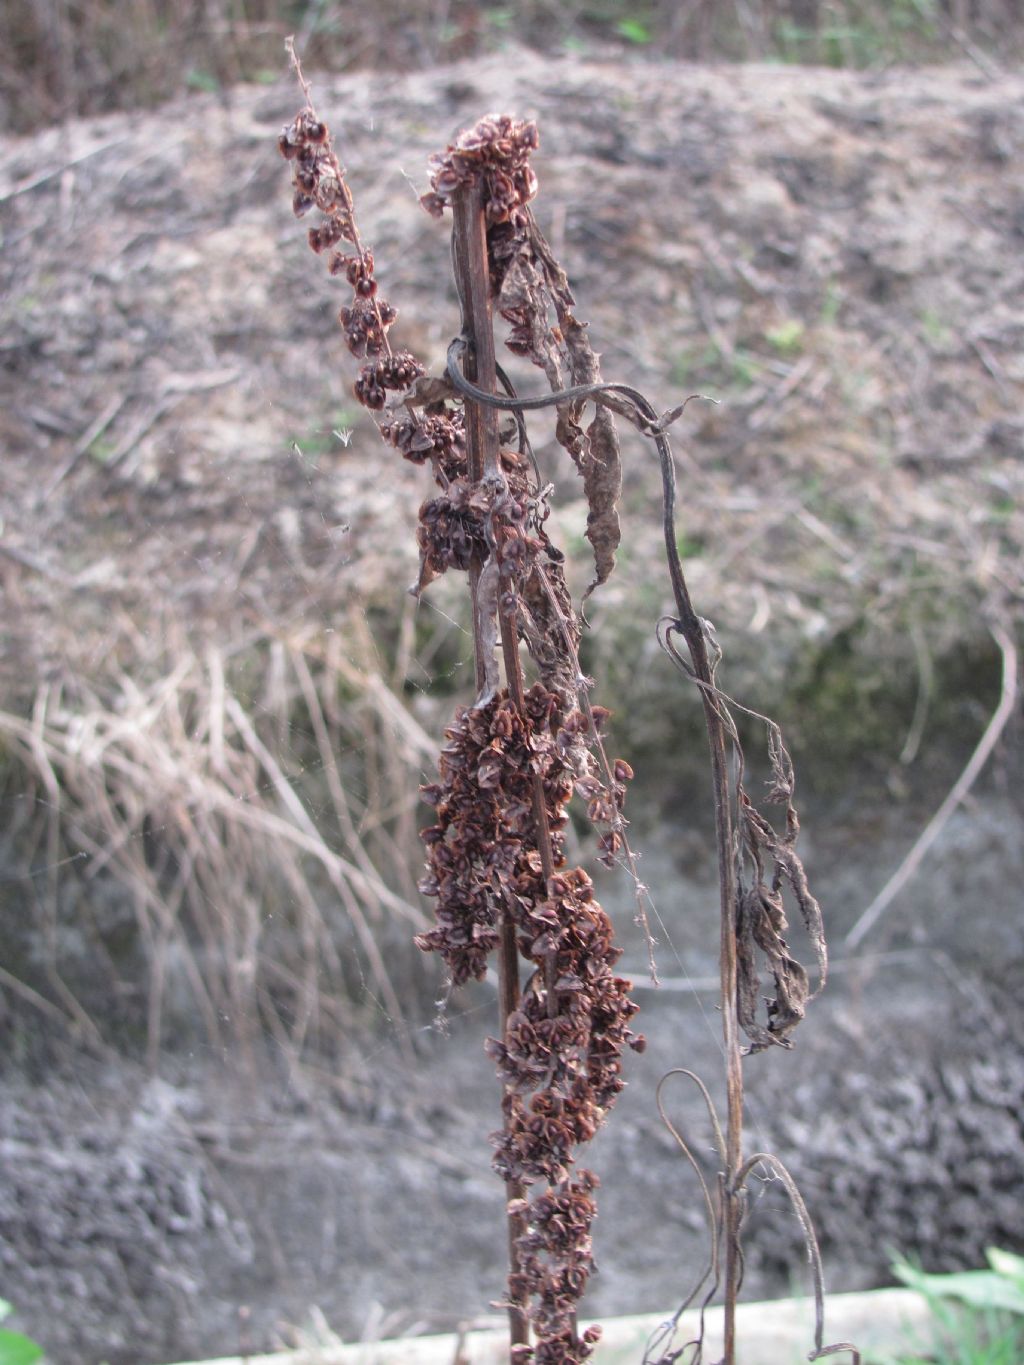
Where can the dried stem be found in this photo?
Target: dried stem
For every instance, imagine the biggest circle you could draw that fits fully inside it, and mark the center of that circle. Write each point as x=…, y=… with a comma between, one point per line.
x=470, y=254
x=692, y=629
x=954, y=797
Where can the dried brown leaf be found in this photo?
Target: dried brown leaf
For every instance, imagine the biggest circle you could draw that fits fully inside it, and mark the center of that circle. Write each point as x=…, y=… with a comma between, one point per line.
x=599, y=461
x=761, y=918
x=429, y=389
x=760, y=922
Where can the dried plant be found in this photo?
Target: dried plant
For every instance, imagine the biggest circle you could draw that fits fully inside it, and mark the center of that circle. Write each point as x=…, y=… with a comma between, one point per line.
x=512, y=761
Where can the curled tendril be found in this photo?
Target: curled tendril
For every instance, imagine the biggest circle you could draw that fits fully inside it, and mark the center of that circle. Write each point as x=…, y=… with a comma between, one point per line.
x=663, y=1341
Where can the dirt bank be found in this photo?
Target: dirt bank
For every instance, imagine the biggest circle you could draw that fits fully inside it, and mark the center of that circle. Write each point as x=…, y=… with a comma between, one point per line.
x=834, y=256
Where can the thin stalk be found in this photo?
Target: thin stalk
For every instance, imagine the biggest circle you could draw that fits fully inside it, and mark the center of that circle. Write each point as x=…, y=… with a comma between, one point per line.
x=514, y=674
x=482, y=451
x=692, y=629
x=731, y=1193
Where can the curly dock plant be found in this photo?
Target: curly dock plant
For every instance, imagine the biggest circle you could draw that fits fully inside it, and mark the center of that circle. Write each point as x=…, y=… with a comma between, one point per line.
x=513, y=760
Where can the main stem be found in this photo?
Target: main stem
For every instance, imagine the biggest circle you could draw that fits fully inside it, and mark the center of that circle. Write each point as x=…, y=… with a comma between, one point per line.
x=693, y=632
x=733, y=1063
x=482, y=450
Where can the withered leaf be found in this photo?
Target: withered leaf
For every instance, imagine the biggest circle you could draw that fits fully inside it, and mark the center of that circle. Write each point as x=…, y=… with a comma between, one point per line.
x=761, y=917
x=429, y=389
x=426, y=576
x=599, y=461
x=763, y=842
x=760, y=921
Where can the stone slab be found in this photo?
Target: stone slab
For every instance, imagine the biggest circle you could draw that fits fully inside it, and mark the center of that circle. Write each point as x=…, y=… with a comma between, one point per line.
x=777, y=1332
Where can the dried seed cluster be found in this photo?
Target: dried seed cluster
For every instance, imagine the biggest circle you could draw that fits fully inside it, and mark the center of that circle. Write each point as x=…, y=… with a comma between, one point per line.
x=532, y=295
x=319, y=182
x=555, y=1261
x=482, y=850
x=497, y=151
x=560, y=1058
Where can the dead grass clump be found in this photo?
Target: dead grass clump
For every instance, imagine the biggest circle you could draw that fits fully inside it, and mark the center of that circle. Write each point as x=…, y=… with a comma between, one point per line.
x=246, y=829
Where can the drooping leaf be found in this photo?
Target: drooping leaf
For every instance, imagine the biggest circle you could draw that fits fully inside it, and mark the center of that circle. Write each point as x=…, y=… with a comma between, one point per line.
x=599, y=460
x=760, y=922
x=762, y=919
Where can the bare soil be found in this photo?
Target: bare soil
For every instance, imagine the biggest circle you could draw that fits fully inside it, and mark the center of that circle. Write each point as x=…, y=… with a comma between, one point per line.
x=835, y=256
x=146, y=1219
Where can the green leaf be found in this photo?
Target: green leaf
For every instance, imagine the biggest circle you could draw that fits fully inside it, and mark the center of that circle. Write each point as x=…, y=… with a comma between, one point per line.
x=787, y=337
x=977, y=1288
x=633, y=31
x=5, y=1309
x=18, y=1350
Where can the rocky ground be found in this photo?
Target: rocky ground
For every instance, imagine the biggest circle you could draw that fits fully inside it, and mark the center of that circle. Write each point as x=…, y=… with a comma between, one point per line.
x=836, y=257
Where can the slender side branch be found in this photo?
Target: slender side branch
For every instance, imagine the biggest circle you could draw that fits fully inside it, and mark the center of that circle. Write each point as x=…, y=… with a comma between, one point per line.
x=931, y=832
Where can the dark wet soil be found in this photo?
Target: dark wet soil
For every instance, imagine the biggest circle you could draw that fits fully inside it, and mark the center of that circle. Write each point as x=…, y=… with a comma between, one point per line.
x=154, y=1218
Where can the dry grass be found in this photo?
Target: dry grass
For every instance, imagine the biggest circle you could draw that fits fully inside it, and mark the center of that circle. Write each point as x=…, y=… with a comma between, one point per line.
x=247, y=832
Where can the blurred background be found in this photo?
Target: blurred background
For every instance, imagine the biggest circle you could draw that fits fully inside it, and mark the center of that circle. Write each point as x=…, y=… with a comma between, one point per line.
x=72, y=57
x=229, y=1115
